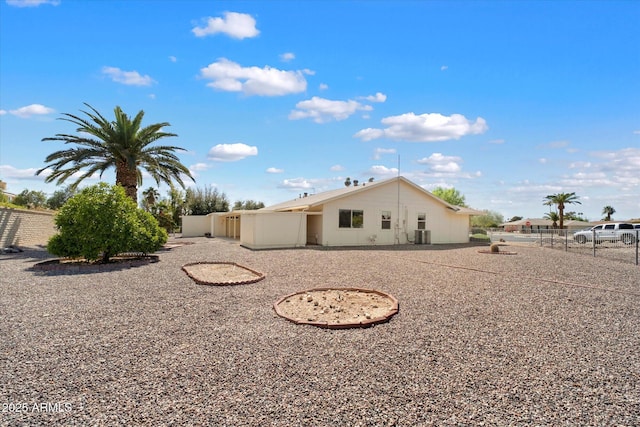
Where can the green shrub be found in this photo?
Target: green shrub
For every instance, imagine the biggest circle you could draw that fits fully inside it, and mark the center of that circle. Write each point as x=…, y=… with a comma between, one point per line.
x=101, y=221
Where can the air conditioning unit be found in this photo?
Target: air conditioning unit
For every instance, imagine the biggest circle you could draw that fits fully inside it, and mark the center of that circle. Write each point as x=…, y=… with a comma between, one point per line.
x=422, y=237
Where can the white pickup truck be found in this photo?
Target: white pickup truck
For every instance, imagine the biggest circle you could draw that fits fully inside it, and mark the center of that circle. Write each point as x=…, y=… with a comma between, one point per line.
x=613, y=232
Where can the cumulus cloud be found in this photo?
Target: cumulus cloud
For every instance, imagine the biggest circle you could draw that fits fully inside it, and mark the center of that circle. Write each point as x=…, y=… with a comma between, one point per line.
x=32, y=3
x=438, y=162
x=379, y=151
x=378, y=97
x=287, y=56
x=336, y=168
x=428, y=127
x=235, y=25
x=9, y=171
x=323, y=86
x=384, y=171
x=232, y=152
x=130, y=78
x=230, y=76
x=31, y=110
x=323, y=110
x=274, y=170
x=296, y=184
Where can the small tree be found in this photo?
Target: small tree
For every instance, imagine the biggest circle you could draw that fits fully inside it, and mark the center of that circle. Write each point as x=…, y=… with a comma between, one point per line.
x=101, y=221
x=247, y=205
x=203, y=201
x=490, y=219
x=450, y=195
x=60, y=197
x=30, y=199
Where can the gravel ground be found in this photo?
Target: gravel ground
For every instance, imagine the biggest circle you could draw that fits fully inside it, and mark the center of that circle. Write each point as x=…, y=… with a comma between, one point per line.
x=541, y=338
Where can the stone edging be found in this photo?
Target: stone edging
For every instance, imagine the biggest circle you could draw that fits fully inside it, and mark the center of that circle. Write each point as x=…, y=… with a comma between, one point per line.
x=259, y=275
x=485, y=251
x=329, y=325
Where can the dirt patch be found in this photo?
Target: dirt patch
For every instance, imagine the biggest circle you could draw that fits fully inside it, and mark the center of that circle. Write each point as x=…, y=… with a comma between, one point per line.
x=221, y=273
x=337, y=308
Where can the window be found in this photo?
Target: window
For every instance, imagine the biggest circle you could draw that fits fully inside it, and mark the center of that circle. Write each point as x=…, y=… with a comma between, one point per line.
x=422, y=221
x=386, y=220
x=348, y=218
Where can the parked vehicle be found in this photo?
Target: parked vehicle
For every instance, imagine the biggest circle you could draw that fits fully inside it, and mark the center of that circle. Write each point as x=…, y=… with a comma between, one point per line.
x=613, y=232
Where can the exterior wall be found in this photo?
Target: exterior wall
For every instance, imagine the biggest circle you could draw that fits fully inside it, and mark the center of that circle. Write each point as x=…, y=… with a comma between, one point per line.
x=445, y=225
x=314, y=229
x=196, y=225
x=25, y=227
x=266, y=230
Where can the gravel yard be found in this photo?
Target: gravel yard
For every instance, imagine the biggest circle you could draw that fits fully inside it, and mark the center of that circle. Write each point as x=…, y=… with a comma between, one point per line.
x=544, y=337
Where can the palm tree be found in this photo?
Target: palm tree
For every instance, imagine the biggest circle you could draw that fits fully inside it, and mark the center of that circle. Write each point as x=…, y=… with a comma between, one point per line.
x=560, y=200
x=608, y=211
x=122, y=144
x=552, y=216
x=151, y=195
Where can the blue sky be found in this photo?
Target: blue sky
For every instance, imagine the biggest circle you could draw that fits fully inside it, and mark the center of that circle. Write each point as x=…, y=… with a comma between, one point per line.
x=505, y=101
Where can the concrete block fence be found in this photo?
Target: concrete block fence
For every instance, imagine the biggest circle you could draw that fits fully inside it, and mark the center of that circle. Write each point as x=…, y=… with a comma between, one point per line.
x=20, y=227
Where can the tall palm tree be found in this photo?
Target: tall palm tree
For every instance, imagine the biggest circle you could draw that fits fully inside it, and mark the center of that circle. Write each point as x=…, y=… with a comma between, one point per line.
x=122, y=144
x=560, y=200
x=608, y=211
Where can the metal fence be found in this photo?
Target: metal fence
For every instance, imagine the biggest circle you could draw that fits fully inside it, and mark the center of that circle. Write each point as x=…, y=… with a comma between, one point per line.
x=625, y=247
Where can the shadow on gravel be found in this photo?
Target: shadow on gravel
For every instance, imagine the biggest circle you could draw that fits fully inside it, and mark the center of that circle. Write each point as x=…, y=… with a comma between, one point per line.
x=61, y=267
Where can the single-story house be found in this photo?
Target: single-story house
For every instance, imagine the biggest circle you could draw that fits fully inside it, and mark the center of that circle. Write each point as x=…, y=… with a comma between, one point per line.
x=393, y=211
x=534, y=225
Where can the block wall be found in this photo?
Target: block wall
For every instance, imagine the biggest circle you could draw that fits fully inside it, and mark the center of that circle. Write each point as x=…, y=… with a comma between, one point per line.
x=25, y=227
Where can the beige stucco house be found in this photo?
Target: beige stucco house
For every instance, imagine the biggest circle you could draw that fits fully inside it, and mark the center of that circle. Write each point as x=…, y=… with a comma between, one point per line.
x=375, y=213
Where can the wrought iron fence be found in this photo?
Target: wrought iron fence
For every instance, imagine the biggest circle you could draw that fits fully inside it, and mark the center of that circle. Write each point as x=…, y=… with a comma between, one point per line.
x=622, y=246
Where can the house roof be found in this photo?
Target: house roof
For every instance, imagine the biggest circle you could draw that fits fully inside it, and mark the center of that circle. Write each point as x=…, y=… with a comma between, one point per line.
x=319, y=199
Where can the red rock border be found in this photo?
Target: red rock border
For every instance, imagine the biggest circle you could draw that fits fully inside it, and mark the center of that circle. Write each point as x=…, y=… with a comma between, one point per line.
x=259, y=276
x=330, y=325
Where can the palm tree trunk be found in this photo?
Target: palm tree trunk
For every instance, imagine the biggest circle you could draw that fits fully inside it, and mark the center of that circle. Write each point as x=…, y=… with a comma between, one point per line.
x=128, y=179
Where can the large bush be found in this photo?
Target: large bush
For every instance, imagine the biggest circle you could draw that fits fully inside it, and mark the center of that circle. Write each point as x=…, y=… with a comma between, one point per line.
x=101, y=221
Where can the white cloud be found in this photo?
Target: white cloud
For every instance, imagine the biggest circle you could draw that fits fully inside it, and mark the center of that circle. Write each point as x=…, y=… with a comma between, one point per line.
x=636, y=132
x=232, y=152
x=274, y=170
x=497, y=141
x=31, y=110
x=424, y=128
x=8, y=171
x=443, y=164
x=131, y=78
x=199, y=167
x=323, y=86
x=235, y=25
x=173, y=58
x=322, y=110
x=32, y=3
x=444, y=68
x=287, y=56
x=231, y=77
x=380, y=170
x=296, y=184
x=378, y=97
x=379, y=151
x=336, y=168
x=3, y=112
x=542, y=160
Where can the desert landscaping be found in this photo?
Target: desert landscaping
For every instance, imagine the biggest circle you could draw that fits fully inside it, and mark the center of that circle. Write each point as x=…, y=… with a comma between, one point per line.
x=544, y=337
